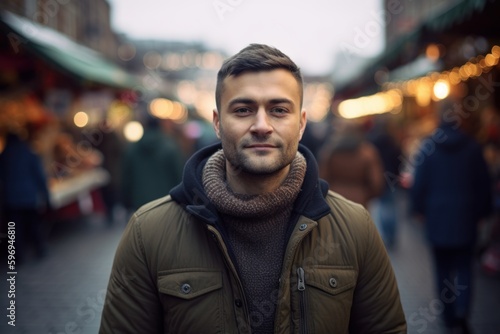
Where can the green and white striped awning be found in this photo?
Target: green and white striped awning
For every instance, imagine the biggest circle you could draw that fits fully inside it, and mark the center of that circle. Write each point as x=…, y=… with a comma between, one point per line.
x=64, y=54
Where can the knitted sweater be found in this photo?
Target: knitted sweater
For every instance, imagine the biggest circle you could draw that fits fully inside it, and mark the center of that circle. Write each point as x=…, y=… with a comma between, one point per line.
x=256, y=227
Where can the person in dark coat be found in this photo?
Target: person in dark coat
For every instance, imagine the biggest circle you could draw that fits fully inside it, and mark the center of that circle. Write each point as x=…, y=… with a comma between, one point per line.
x=452, y=192
x=25, y=194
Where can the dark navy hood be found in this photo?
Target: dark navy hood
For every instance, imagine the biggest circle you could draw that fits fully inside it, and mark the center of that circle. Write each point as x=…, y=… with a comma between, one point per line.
x=191, y=194
x=450, y=137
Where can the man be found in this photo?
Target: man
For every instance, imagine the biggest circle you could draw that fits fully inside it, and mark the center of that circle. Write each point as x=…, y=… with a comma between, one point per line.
x=252, y=241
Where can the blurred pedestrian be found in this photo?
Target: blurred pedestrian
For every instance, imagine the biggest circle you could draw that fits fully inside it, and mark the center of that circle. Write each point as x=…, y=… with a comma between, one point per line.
x=252, y=241
x=385, y=206
x=451, y=191
x=25, y=194
x=351, y=165
x=112, y=148
x=151, y=166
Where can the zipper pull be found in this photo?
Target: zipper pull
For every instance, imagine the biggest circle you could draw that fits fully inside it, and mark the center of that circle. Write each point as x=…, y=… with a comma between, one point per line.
x=301, y=283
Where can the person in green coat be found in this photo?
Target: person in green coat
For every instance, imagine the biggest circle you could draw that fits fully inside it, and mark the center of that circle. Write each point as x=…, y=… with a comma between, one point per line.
x=152, y=166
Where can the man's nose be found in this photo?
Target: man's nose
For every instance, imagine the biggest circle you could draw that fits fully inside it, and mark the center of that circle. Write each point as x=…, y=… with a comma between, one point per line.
x=262, y=123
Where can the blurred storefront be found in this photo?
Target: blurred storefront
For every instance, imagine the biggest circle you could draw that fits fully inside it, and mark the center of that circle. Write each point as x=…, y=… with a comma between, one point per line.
x=66, y=96
x=434, y=49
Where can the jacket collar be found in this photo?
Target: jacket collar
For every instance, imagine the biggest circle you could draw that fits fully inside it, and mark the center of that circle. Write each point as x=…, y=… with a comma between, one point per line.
x=190, y=193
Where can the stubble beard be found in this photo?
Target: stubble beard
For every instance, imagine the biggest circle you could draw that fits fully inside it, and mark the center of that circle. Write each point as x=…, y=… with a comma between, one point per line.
x=243, y=163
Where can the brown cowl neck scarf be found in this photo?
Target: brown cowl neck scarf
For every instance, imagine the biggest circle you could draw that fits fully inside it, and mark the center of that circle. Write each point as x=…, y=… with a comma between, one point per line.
x=256, y=228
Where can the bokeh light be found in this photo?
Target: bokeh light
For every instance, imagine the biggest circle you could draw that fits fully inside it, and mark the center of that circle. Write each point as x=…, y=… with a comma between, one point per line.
x=81, y=119
x=432, y=52
x=152, y=60
x=380, y=103
x=126, y=51
x=441, y=89
x=161, y=108
x=133, y=131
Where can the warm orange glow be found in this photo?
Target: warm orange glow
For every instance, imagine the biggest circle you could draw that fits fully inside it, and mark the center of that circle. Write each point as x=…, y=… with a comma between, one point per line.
x=454, y=77
x=478, y=70
x=161, y=108
x=490, y=60
x=463, y=73
x=441, y=89
x=179, y=113
x=434, y=86
x=423, y=97
x=495, y=51
x=412, y=88
x=432, y=52
x=81, y=119
x=380, y=103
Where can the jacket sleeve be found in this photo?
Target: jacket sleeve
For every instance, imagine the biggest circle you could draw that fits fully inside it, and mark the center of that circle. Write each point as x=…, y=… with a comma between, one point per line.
x=376, y=304
x=132, y=304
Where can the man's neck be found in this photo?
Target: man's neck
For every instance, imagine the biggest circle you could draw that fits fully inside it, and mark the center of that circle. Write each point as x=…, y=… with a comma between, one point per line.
x=251, y=184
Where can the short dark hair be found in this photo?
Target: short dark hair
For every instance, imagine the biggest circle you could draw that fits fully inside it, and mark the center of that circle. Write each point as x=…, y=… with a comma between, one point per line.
x=256, y=58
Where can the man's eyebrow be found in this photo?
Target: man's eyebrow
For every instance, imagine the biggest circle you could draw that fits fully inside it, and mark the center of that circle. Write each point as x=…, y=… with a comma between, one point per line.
x=244, y=100
x=241, y=101
x=281, y=100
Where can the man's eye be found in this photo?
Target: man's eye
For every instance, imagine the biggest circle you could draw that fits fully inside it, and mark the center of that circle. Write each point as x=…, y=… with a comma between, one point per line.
x=279, y=110
x=242, y=111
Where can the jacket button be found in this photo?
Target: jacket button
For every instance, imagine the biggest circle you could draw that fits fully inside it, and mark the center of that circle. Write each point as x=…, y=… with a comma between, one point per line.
x=302, y=227
x=333, y=282
x=238, y=303
x=186, y=288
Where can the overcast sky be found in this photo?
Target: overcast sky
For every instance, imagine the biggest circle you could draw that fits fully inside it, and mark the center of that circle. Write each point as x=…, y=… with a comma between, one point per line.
x=310, y=32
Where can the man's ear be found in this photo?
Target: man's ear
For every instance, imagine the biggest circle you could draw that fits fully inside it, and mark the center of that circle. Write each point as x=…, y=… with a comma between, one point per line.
x=303, y=122
x=216, y=123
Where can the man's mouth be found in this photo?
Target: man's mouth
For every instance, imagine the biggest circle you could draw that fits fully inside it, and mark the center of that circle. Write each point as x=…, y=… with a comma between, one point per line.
x=260, y=146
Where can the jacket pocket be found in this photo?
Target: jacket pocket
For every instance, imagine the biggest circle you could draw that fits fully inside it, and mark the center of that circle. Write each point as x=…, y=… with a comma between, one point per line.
x=332, y=280
x=329, y=291
x=192, y=300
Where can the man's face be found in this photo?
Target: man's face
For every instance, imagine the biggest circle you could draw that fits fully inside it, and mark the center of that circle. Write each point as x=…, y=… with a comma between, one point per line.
x=260, y=122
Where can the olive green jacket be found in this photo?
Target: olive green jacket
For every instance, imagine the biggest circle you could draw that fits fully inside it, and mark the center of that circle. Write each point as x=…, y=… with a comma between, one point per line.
x=174, y=273
x=179, y=277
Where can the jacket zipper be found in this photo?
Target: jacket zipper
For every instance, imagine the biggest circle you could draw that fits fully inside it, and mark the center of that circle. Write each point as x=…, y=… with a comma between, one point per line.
x=301, y=286
x=229, y=263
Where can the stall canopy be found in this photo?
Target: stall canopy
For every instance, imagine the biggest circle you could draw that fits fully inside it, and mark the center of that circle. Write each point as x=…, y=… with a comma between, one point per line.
x=462, y=16
x=68, y=56
x=454, y=16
